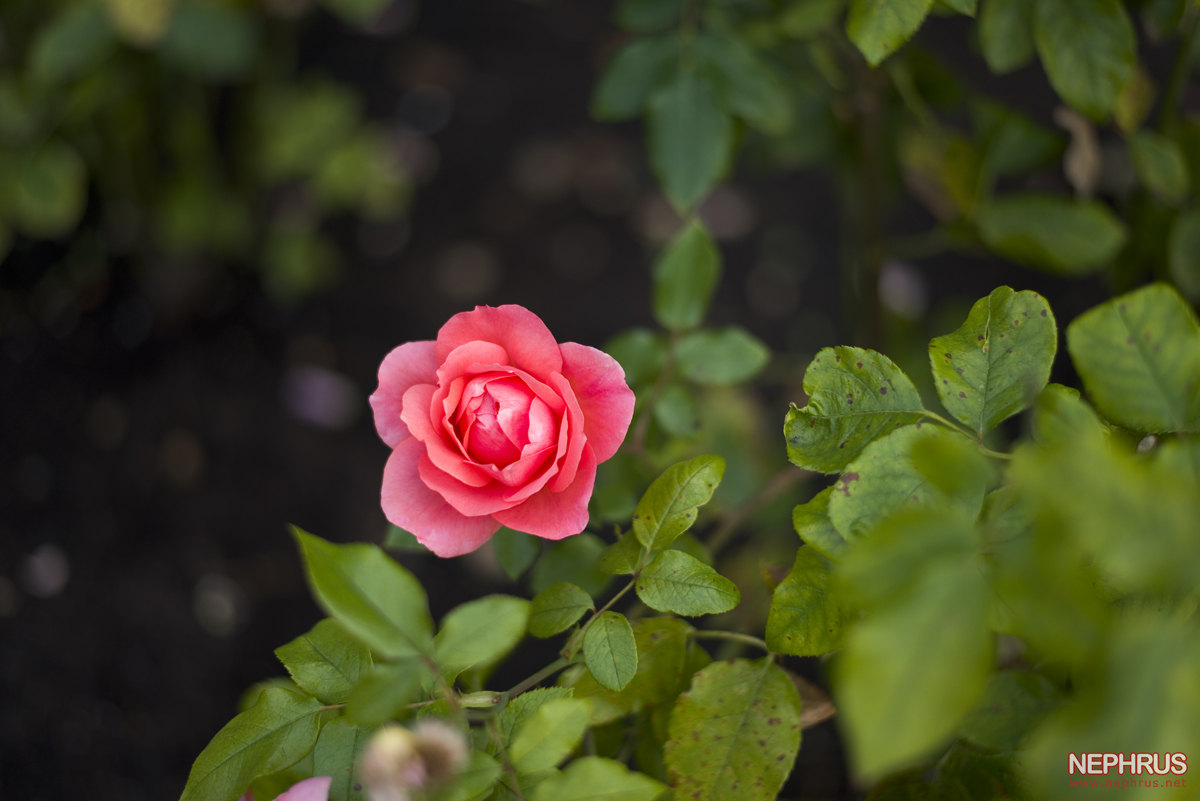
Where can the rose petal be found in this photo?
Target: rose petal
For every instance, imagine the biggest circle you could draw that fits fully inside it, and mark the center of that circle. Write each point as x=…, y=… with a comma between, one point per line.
x=411, y=363
x=606, y=400
x=448, y=458
x=314, y=789
x=413, y=506
x=522, y=333
x=573, y=422
x=555, y=515
x=467, y=500
x=462, y=358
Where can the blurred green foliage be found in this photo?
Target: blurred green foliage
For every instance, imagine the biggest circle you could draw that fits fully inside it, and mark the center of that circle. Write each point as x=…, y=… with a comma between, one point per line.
x=182, y=129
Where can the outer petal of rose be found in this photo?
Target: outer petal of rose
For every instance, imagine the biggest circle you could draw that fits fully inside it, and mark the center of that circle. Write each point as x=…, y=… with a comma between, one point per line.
x=314, y=789
x=576, y=438
x=466, y=500
x=411, y=363
x=418, y=409
x=414, y=507
x=522, y=333
x=606, y=400
x=555, y=515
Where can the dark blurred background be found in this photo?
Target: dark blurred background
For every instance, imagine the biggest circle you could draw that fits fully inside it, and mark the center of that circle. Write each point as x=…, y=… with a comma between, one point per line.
x=160, y=428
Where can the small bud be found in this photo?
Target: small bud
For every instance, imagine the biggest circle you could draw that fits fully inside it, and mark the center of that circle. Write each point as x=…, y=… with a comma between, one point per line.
x=443, y=749
x=391, y=765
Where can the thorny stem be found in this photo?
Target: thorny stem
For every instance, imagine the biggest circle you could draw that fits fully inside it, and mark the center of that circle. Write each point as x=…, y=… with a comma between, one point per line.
x=784, y=480
x=710, y=634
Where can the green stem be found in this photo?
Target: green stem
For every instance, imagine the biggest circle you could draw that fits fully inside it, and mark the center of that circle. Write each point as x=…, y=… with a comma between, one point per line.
x=710, y=634
x=948, y=424
x=995, y=454
x=536, y=678
x=1179, y=73
x=784, y=480
x=494, y=731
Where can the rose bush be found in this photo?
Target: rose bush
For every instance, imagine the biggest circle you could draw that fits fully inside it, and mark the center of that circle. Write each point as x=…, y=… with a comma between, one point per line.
x=496, y=423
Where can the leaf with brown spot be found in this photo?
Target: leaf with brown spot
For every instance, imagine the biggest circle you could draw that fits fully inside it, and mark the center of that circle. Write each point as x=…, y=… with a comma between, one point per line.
x=986, y=385
x=731, y=703
x=846, y=408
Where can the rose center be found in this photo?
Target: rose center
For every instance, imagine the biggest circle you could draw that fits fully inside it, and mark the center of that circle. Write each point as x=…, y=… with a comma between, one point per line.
x=500, y=420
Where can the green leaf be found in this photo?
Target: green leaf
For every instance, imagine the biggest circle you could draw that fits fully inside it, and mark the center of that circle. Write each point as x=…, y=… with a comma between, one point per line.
x=646, y=16
x=397, y=539
x=965, y=7
x=557, y=608
x=1183, y=253
x=920, y=659
x=212, y=40
x=669, y=506
x=676, y=412
x=1139, y=696
x=1013, y=705
x=521, y=708
x=998, y=361
x=1061, y=416
x=383, y=693
x=633, y=75
x=480, y=775
x=75, y=42
x=369, y=594
x=640, y=352
x=667, y=658
x=1067, y=237
x=1006, y=34
x=884, y=480
x=356, y=11
x=691, y=140
x=1012, y=143
x=621, y=558
x=676, y=582
x=812, y=523
x=515, y=551
x=805, y=617
x=735, y=733
x=1088, y=48
x=337, y=754
x=744, y=84
x=273, y=785
x=374, y=598
x=685, y=277
x=808, y=19
x=854, y=397
x=609, y=650
x=326, y=662
x=721, y=357
x=879, y=28
x=49, y=191
x=1139, y=358
x=480, y=633
x=1160, y=165
x=274, y=733
x=549, y=736
x=598, y=779
x=574, y=560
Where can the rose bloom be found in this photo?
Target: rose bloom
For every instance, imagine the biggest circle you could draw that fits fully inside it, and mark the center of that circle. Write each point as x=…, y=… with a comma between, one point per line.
x=495, y=423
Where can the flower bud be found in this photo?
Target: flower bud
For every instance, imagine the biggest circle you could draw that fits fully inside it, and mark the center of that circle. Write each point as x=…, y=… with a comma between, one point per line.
x=391, y=765
x=443, y=749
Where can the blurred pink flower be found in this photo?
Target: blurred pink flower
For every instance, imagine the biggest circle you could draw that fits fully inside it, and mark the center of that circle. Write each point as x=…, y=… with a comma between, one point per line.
x=314, y=789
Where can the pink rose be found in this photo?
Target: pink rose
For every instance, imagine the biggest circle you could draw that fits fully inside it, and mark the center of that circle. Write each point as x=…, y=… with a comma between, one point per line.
x=496, y=424
x=314, y=789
